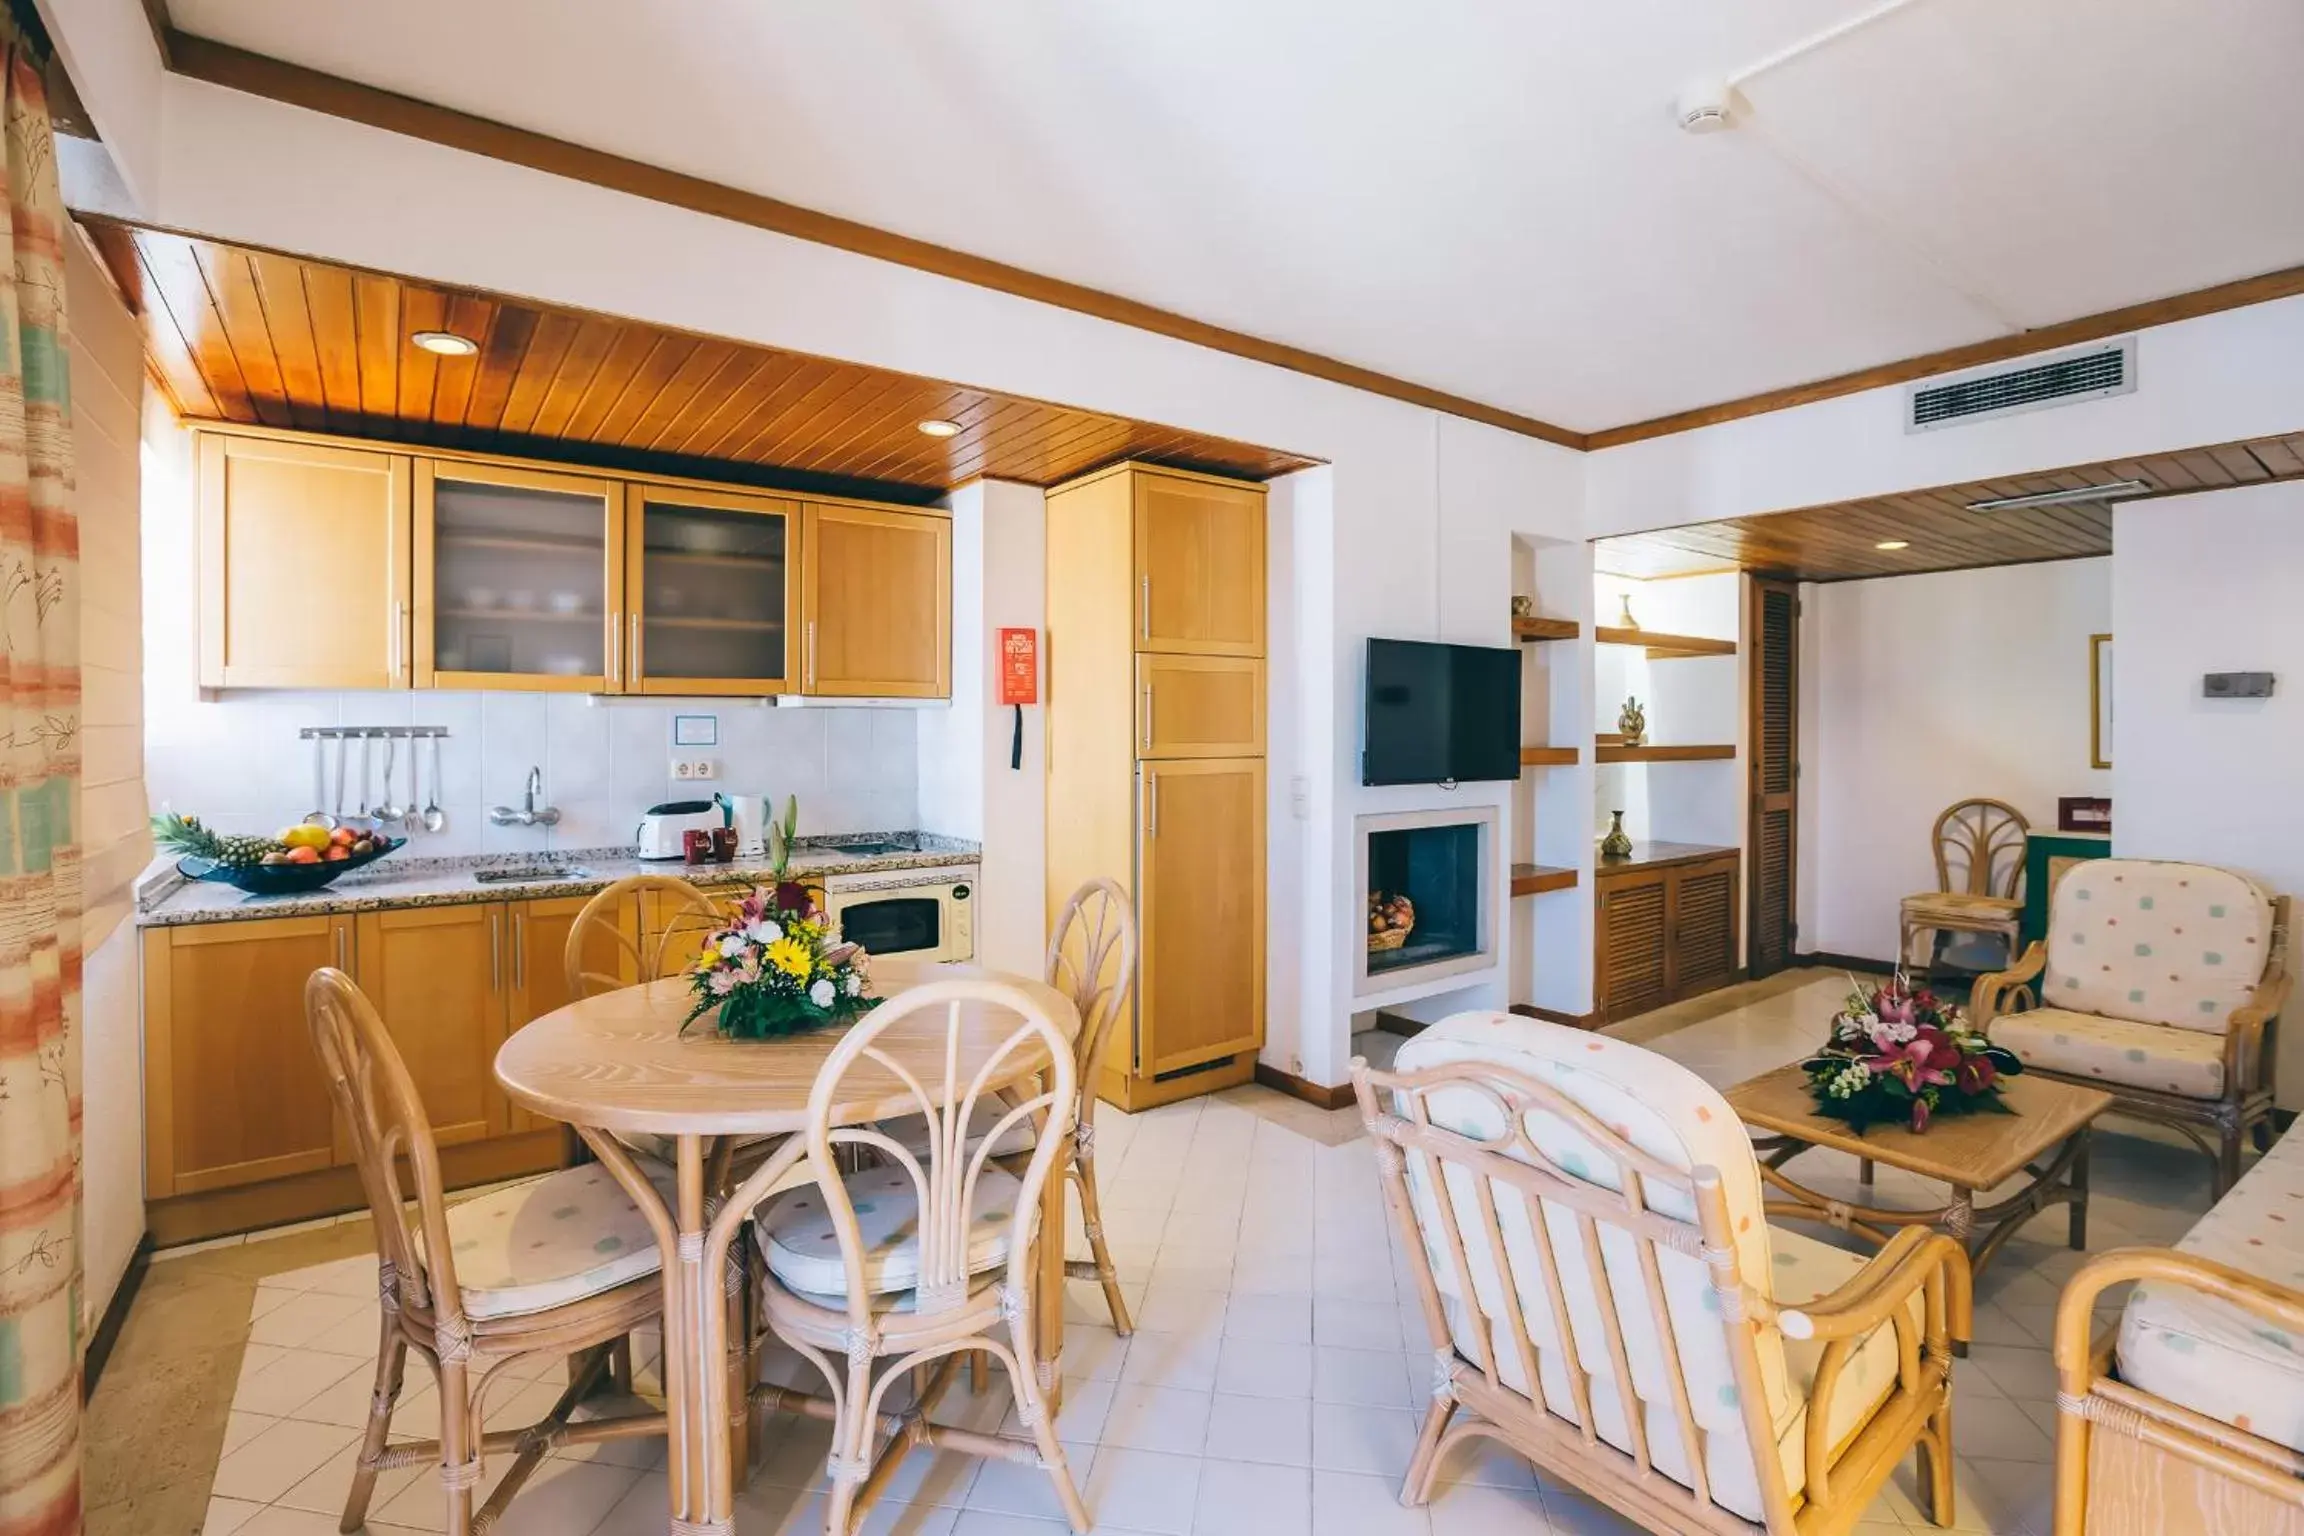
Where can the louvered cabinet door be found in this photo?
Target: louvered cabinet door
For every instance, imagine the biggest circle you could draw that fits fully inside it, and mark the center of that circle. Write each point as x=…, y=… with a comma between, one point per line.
x=1775, y=748
x=1702, y=950
x=1630, y=970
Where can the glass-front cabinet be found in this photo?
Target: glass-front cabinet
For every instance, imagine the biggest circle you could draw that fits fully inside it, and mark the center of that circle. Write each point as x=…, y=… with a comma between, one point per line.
x=519, y=579
x=711, y=583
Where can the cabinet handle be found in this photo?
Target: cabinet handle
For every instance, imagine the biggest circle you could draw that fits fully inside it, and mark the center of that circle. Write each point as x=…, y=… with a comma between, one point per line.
x=615, y=647
x=808, y=645
x=495, y=953
x=340, y=957
x=1152, y=784
x=1144, y=606
x=398, y=638
x=1147, y=714
x=632, y=646
x=519, y=951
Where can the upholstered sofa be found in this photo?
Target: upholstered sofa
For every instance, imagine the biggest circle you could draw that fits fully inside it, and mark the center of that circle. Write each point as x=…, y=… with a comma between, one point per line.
x=2160, y=982
x=1605, y=1296
x=2188, y=1419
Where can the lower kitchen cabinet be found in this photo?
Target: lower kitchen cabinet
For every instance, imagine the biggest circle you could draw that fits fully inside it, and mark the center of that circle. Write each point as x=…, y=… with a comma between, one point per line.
x=1200, y=901
x=539, y=963
x=1665, y=927
x=440, y=976
x=233, y=1093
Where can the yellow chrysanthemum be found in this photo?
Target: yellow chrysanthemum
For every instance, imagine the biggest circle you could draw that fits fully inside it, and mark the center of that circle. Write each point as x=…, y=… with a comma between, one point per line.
x=791, y=957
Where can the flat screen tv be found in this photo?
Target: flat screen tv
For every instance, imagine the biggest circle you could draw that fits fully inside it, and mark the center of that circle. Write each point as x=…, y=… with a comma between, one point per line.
x=1439, y=714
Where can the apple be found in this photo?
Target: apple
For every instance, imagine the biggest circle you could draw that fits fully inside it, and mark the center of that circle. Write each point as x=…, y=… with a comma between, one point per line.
x=301, y=856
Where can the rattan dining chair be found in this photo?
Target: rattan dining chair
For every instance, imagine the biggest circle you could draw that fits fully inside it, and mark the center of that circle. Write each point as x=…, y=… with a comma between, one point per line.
x=895, y=1273
x=1091, y=960
x=562, y=1265
x=1979, y=846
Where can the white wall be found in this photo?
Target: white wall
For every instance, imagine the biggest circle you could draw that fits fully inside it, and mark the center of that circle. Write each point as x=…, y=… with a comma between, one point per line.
x=2208, y=583
x=1921, y=690
x=1690, y=701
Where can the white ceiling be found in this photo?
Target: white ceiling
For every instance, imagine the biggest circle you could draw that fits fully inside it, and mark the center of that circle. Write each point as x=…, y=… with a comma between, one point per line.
x=1486, y=196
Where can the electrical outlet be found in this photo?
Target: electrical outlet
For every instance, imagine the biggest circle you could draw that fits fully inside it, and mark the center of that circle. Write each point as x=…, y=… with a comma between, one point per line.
x=695, y=768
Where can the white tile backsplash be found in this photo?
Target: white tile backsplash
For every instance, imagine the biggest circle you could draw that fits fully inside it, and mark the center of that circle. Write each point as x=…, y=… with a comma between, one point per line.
x=237, y=762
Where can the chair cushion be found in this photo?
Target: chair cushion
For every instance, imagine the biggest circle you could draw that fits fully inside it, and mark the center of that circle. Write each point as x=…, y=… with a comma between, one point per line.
x=2208, y=1355
x=2118, y=1051
x=796, y=1235
x=1669, y=1113
x=911, y=1132
x=2157, y=942
x=1805, y=1270
x=1959, y=906
x=541, y=1244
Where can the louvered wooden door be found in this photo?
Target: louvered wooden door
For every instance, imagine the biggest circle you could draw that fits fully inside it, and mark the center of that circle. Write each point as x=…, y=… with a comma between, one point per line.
x=1632, y=974
x=1702, y=952
x=1775, y=753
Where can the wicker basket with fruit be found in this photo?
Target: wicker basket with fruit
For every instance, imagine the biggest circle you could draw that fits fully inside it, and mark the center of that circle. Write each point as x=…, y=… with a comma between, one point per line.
x=303, y=857
x=1390, y=920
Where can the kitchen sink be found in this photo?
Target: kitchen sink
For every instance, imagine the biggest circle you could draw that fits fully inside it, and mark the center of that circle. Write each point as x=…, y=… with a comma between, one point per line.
x=522, y=874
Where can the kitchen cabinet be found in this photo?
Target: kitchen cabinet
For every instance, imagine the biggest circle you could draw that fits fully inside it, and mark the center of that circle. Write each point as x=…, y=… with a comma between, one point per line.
x=710, y=578
x=1199, y=706
x=328, y=563
x=519, y=578
x=876, y=603
x=441, y=979
x=1199, y=564
x=303, y=564
x=233, y=1093
x=1155, y=758
x=1665, y=927
x=1200, y=906
x=539, y=982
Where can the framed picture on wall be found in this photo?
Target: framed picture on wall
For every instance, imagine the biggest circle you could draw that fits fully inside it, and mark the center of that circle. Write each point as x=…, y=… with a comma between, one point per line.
x=2099, y=701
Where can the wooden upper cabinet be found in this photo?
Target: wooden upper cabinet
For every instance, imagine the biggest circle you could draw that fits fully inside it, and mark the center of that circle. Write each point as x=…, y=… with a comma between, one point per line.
x=1200, y=903
x=441, y=977
x=876, y=603
x=1199, y=565
x=1199, y=706
x=711, y=591
x=519, y=578
x=304, y=565
x=233, y=1092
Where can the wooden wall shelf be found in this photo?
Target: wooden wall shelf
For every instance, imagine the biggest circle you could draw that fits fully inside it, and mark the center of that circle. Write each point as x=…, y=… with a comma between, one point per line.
x=1661, y=646
x=1530, y=879
x=1546, y=629
x=1547, y=757
x=1703, y=754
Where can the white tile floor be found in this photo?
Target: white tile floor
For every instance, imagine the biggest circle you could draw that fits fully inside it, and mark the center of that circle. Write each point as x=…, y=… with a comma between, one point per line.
x=1271, y=1388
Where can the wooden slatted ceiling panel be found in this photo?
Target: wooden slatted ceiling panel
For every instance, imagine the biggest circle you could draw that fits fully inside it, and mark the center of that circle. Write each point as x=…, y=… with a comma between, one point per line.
x=1836, y=542
x=251, y=336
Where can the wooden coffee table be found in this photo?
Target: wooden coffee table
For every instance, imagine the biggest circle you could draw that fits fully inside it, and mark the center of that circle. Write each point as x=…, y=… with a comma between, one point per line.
x=2046, y=1138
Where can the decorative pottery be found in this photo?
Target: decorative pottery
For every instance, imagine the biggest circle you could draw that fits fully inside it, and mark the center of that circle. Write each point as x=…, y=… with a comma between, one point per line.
x=1618, y=843
x=1632, y=722
x=1628, y=622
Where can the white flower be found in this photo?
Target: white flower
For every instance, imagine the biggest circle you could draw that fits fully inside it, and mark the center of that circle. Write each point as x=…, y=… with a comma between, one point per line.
x=1850, y=1081
x=732, y=947
x=766, y=931
x=854, y=985
x=722, y=983
x=821, y=993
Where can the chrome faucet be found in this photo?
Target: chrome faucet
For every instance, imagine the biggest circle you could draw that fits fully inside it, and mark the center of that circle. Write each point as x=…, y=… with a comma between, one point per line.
x=528, y=815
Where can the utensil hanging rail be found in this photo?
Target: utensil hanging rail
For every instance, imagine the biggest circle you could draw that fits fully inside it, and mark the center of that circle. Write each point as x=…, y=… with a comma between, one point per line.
x=371, y=732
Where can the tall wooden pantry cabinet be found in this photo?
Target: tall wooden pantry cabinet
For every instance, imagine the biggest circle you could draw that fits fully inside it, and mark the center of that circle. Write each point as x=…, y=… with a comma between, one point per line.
x=1155, y=720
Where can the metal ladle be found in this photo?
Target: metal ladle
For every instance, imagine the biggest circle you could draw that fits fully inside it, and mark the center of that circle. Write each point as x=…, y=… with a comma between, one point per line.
x=434, y=817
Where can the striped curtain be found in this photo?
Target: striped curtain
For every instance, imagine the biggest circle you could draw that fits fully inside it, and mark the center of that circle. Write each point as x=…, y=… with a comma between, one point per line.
x=39, y=831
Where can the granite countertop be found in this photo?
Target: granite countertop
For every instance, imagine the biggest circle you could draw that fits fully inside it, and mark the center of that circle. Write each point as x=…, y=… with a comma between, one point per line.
x=169, y=900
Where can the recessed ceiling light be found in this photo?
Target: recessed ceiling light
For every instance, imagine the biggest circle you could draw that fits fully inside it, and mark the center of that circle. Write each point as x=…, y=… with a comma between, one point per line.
x=936, y=426
x=1893, y=544
x=446, y=343
x=2110, y=491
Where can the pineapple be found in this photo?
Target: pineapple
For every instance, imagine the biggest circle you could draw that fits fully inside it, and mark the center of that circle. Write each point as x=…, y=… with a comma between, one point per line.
x=185, y=835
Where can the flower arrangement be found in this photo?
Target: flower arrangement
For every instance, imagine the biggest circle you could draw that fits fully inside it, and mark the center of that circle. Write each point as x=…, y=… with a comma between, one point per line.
x=779, y=967
x=1903, y=1054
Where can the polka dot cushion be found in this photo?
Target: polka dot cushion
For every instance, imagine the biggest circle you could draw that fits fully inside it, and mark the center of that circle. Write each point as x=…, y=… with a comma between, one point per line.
x=2209, y=1355
x=802, y=1249
x=2116, y=1051
x=2156, y=941
x=542, y=1244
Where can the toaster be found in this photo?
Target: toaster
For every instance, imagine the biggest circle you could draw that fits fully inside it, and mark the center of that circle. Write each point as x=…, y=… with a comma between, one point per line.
x=662, y=826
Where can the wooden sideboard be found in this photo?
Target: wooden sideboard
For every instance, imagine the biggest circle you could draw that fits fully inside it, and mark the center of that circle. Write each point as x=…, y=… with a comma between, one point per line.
x=1664, y=926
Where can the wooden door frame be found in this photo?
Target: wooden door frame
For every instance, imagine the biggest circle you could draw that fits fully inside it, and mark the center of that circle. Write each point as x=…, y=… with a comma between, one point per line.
x=1758, y=585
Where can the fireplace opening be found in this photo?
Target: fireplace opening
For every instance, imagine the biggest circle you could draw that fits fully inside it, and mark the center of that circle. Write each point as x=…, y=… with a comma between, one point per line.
x=1424, y=898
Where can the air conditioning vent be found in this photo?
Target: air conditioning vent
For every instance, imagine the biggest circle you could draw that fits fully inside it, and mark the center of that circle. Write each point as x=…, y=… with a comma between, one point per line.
x=2088, y=374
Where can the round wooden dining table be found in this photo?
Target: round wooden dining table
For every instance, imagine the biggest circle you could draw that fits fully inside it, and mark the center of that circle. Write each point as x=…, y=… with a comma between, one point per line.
x=620, y=1062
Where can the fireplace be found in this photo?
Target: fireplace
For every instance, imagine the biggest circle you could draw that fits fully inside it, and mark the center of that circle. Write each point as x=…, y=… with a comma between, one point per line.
x=1433, y=871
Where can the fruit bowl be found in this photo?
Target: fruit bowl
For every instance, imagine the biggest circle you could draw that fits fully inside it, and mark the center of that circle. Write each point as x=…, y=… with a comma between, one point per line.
x=283, y=879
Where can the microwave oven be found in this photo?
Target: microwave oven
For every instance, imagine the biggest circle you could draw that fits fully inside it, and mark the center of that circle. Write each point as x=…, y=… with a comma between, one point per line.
x=921, y=914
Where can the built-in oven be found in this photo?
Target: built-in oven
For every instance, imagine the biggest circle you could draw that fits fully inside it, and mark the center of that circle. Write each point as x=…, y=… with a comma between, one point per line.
x=921, y=914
